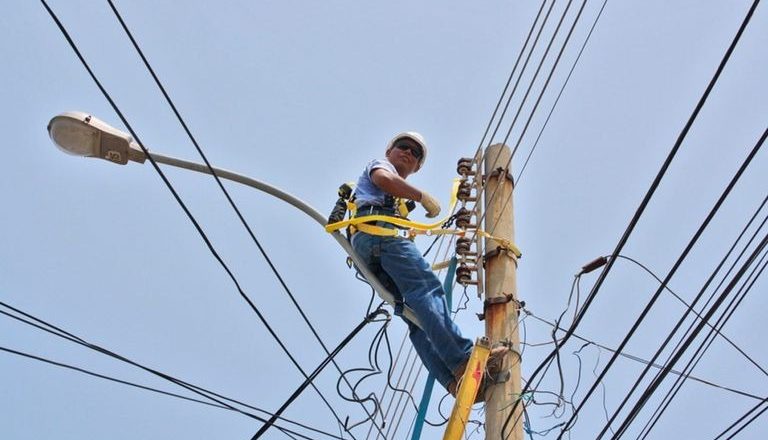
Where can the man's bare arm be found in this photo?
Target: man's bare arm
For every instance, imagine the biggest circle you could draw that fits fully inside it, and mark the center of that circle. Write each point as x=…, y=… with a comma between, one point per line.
x=394, y=185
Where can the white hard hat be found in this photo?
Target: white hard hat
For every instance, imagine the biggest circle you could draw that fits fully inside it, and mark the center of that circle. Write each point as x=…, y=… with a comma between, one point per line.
x=416, y=137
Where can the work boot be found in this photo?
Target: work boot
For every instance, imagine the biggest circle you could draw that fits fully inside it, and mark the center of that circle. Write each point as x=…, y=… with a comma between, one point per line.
x=453, y=389
x=492, y=368
x=496, y=360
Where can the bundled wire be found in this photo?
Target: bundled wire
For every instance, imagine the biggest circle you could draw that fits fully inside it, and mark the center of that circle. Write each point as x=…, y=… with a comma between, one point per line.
x=368, y=319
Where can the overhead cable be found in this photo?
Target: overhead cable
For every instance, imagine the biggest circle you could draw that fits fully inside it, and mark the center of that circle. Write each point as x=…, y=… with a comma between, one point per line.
x=641, y=208
x=707, y=343
x=544, y=88
x=155, y=390
x=535, y=107
x=646, y=362
x=560, y=94
x=698, y=315
x=186, y=210
x=741, y=419
x=692, y=242
x=40, y=324
x=231, y=202
x=514, y=69
x=663, y=373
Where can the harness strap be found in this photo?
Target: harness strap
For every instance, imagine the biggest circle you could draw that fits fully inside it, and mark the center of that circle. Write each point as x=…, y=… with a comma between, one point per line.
x=398, y=221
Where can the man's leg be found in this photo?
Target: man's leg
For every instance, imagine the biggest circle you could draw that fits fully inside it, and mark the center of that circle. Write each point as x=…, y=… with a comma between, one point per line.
x=424, y=294
x=429, y=357
x=364, y=245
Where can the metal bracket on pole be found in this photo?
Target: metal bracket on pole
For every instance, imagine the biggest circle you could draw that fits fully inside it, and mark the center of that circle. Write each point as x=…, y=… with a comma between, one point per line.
x=505, y=298
x=500, y=250
x=498, y=172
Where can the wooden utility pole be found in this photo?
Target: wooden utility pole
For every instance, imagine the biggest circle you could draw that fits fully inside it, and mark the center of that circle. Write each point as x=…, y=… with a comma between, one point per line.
x=501, y=306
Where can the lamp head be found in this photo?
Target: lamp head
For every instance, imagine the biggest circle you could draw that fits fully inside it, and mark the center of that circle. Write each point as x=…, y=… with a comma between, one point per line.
x=81, y=134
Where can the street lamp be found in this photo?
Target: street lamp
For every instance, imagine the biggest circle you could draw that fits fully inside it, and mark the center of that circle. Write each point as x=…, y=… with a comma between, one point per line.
x=81, y=134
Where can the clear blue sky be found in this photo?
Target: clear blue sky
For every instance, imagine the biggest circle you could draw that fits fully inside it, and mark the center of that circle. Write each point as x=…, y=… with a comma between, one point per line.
x=302, y=95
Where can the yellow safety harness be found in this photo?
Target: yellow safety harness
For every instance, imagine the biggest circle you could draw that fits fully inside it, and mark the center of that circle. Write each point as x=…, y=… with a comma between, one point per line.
x=408, y=228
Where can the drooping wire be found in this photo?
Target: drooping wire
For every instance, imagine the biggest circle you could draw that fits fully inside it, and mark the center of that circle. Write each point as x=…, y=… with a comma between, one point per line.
x=594, y=373
x=643, y=204
x=644, y=361
x=692, y=242
x=224, y=191
x=154, y=390
x=650, y=389
x=708, y=340
x=367, y=320
x=698, y=315
x=678, y=383
x=40, y=324
x=186, y=210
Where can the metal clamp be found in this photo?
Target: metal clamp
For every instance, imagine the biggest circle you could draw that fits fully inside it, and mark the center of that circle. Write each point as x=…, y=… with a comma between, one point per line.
x=496, y=300
x=500, y=250
x=498, y=171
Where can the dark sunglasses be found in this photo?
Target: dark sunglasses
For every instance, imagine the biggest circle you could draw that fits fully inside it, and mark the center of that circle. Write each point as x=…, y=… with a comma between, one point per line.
x=415, y=151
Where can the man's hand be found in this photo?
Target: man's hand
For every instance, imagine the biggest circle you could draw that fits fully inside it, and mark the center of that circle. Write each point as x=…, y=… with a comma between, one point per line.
x=430, y=204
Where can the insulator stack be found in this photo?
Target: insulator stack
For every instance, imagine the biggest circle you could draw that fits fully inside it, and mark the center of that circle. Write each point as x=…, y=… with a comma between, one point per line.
x=469, y=246
x=465, y=191
x=464, y=167
x=463, y=246
x=464, y=219
x=464, y=274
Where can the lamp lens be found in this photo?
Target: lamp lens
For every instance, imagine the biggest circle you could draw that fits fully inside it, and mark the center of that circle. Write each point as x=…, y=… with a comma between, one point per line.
x=74, y=137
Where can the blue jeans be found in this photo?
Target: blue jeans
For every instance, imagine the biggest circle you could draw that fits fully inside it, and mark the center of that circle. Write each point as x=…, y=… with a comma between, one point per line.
x=399, y=266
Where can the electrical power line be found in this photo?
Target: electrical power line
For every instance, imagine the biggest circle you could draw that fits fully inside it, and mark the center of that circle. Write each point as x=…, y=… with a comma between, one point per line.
x=538, y=99
x=192, y=219
x=698, y=315
x=707, y=343
x=645, y=361
x=231, y=202
x=726, y=192
x=664, y=372
x=747, y=423
x=40, y=324
x=155, y=390
x=640, y=210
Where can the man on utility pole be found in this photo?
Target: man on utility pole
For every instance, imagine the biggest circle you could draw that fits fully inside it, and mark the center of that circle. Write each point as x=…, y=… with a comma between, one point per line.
x=400, y=267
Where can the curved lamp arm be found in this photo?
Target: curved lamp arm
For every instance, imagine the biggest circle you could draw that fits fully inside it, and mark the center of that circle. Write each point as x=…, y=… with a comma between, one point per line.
x=81, y=134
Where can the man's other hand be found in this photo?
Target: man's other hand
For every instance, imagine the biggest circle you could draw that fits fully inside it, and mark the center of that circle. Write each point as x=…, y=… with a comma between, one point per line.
x=430, y=204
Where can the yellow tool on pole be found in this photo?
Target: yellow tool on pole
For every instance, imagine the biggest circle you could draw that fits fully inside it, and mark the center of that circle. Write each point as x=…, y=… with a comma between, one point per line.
x=468, y=389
